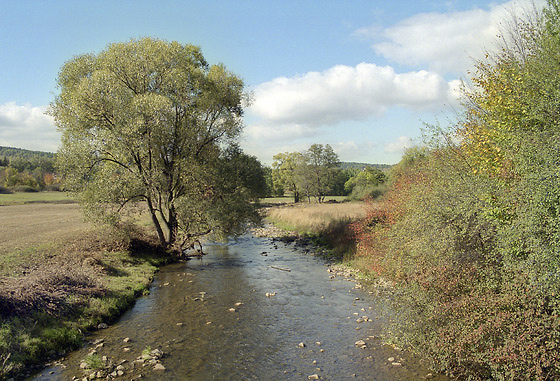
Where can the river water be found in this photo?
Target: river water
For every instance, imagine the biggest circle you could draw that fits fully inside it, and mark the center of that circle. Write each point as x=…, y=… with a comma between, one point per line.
x=238, y=314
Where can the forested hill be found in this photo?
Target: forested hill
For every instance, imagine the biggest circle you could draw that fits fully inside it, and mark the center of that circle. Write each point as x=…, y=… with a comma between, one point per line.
x=10, y=152
x=354, y=165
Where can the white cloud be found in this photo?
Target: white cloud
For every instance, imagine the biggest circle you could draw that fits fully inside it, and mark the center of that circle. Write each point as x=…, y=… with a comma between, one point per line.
x=344, y=93
x=278, y=132
x=355, y=151
x=398, y=146
x=25, y=126
x=445, y=42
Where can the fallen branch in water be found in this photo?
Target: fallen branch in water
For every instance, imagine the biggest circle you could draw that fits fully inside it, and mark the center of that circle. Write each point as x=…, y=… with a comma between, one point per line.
x=280, y=268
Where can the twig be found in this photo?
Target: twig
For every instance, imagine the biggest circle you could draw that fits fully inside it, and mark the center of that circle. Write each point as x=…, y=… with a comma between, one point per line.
x=6, y=359
x=280, y=268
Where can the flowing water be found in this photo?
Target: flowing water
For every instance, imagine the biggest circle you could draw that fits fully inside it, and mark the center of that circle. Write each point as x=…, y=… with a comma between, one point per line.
x=238, y=314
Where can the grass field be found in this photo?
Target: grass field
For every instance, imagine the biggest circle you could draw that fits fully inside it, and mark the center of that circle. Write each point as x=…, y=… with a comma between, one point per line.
x=27, y=225
x=19, y=198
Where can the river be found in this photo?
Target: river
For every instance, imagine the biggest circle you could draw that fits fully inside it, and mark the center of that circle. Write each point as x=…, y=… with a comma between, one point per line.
x=253, y=309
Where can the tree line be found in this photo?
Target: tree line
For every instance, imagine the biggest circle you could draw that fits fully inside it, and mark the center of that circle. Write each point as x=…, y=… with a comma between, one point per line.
x=316, y=173
x=26, y=170
x=469, y=230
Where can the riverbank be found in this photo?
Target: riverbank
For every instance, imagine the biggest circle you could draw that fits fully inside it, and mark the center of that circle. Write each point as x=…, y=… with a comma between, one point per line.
x=52, y=294
x=324, y=231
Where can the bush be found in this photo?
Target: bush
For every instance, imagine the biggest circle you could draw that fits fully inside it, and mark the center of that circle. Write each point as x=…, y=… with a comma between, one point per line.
x=444, y=235
x=4, y=190
x=53, y=188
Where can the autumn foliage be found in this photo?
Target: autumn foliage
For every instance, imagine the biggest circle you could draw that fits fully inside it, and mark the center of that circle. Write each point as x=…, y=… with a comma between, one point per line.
x=469, y=231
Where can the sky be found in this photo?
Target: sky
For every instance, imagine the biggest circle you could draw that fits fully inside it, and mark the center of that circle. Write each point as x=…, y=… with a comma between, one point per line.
x=361, y=75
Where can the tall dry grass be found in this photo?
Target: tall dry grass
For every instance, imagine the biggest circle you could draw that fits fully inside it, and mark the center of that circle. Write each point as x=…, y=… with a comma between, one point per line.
x=315, y=218
x=328, y=224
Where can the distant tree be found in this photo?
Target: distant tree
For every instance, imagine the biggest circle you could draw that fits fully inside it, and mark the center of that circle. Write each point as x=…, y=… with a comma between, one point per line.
x=150, y=121
x=273, y=190
x=284, y=173
x=321, y=170
x=312, y=173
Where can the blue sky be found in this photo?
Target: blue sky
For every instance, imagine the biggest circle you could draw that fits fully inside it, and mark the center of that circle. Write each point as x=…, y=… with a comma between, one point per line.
x=362, y=76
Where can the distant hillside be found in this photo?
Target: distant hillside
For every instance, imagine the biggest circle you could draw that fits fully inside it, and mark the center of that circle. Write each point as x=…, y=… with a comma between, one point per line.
x=9, y=152
x=353, y=165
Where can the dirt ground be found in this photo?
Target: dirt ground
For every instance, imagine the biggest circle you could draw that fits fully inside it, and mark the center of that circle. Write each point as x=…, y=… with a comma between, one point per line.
x=22, y=226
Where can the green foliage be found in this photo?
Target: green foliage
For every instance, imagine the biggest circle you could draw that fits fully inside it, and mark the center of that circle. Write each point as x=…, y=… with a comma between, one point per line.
x=314, y=173
x=151, y=121
x=94, y=362
x=23, y=168
x=469, y=229
x=367, y=183
x=284, y=172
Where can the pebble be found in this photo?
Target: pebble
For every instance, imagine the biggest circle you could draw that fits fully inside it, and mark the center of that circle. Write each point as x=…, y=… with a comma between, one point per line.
x=159, y=367
x=361, y=344
x=232, y=310
x=301, y=345
x=102, y=326
x=126, y=340
x=313, y=377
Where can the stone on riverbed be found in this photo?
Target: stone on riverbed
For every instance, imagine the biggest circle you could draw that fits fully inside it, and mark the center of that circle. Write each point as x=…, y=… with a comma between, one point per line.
x=361, y=344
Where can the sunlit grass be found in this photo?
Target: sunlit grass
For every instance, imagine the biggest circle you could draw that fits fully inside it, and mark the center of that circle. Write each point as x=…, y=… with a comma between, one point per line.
x=28, y=197
x=315, y=218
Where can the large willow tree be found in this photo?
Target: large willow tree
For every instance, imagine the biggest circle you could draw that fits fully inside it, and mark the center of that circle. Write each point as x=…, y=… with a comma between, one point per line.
x=150, y=121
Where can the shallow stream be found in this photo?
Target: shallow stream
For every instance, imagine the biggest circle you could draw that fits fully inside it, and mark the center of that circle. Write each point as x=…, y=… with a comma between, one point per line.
x=239, y=314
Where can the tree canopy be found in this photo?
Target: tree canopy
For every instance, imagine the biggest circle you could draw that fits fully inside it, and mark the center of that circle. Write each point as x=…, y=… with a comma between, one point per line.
x=151, y=121
x=311, y=173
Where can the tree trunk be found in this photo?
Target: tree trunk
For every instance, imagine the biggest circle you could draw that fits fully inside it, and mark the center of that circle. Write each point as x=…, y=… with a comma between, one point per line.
x=173, y=227
x=157, y=225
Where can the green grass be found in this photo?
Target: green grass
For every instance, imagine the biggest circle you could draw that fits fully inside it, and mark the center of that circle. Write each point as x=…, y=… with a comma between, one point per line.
x=19, y=198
